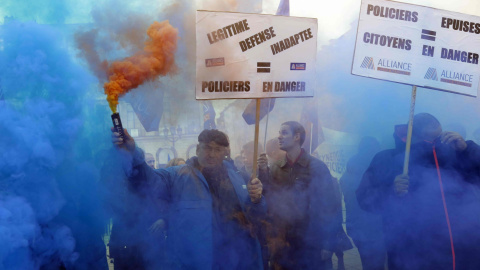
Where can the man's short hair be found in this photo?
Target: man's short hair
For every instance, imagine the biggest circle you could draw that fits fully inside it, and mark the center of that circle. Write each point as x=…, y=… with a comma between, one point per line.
x=272, y=146
x=296, y=127
x=174, y=162
x=213, y=135
x=251, y=146
x=422, y=121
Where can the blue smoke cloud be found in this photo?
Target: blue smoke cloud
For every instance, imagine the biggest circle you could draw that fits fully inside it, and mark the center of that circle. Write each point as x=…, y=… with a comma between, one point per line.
x=49, y=11
x=43, y=173
x=54, y=136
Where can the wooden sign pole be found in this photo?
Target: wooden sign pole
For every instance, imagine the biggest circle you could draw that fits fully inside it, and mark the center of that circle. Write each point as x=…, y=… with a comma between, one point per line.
x=255, y=149
x=410, y=128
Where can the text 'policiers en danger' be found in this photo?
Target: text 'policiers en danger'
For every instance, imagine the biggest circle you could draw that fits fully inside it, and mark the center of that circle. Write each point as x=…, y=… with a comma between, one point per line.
x=242, y=55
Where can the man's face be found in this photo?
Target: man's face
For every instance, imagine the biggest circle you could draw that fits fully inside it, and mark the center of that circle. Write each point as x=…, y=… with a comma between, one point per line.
x=150, y=161
x=210, y=154
x=286, y=139
x=430, y=133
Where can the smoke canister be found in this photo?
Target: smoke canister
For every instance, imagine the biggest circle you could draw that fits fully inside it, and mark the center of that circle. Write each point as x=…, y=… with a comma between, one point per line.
x=117, y=124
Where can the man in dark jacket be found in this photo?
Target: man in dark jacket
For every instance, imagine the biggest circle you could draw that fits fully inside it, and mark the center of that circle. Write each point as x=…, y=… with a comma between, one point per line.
x=302, y=206
x=429, y=216
x=211, y=213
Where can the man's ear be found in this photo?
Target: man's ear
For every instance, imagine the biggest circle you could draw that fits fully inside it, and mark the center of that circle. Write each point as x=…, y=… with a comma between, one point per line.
x=197, y=149
x=296, y=137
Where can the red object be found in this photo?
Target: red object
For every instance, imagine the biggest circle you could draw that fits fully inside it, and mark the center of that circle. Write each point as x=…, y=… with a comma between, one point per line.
x=444, y=205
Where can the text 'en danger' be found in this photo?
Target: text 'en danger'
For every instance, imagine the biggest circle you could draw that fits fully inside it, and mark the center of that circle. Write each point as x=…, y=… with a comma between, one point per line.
x=284, y=86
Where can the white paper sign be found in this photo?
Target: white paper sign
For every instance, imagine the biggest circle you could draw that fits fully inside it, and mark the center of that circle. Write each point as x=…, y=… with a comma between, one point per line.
x=254, y=56
x=419, y=46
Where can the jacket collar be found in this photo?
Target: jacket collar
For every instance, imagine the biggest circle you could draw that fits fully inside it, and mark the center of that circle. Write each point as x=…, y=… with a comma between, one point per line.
x=303, y=159
x=193, y=163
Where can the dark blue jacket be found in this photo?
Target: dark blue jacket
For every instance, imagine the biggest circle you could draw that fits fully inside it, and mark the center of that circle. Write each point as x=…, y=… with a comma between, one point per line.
x=191, y=219
x=302, y=210
x=415, y=226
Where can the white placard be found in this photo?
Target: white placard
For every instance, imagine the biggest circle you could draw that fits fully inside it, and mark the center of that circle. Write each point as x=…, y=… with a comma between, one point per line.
x=254, y=56
x=418, y=45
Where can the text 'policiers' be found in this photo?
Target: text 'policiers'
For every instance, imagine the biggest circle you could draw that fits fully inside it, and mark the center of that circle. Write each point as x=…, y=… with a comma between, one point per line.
x=226, y=86
x=394, y=14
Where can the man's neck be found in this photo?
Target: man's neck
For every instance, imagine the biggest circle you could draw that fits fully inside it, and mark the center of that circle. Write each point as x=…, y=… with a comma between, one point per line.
x=294, y=153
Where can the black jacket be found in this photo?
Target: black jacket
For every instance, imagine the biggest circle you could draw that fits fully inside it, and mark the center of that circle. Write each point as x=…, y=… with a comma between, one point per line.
x=302, y=209
x=415, y=225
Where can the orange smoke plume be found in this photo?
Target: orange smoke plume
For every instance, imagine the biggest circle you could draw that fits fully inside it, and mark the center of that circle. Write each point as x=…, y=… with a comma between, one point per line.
x=157, y=58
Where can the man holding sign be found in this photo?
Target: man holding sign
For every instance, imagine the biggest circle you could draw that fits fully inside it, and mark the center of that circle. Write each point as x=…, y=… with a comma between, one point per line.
x=429, y=216
x=211, y=214
x=301, y=205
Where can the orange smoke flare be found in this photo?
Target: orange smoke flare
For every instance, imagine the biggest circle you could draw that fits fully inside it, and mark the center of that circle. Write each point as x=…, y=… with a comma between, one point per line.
x=157, y=58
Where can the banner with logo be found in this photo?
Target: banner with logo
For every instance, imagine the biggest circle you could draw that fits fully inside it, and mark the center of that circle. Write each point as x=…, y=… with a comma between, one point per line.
x=418, y=45
x=254, y=56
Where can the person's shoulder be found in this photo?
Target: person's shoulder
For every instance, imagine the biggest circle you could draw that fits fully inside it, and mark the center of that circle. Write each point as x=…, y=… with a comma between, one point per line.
x=317, y=166
x=176, y=171
x=314, y=161
x=183, y=169
x=230, y=166
x=237, y=174
x=471, y=145
x=385, y=155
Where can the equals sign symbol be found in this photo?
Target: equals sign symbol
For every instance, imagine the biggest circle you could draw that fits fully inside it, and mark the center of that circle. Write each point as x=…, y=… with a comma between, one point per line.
x=263, y=67
x=428, y=35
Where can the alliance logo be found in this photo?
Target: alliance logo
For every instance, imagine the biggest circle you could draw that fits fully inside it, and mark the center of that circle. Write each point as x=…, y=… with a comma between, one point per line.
x=368, y=63
x=394, y=66
x=457, y=78
x=215, y=62
x=298, y=66
x=431, y=74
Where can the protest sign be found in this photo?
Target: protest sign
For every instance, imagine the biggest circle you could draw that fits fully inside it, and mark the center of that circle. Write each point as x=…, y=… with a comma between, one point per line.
x=254, y=56
x=419, y=46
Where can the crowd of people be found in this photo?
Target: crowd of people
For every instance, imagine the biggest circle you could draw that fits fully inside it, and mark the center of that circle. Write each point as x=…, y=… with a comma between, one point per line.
x=212, y=212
